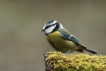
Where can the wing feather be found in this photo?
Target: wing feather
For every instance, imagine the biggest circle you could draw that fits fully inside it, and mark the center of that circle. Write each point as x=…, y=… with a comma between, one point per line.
x=68, y=36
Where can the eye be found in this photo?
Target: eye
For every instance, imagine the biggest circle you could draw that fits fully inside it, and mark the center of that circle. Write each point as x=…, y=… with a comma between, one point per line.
x=47, y=26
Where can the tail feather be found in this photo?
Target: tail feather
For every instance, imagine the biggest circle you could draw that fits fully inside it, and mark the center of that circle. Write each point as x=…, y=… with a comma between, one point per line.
x=91, y=51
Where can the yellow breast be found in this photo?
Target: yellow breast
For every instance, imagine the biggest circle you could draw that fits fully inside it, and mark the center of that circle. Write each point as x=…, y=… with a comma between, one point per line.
x=60, y=43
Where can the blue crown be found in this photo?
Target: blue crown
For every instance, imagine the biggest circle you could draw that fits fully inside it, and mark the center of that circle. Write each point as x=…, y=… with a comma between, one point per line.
x=49, y=21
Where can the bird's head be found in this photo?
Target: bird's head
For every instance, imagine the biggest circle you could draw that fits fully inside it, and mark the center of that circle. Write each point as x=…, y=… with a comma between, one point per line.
x=51, y=26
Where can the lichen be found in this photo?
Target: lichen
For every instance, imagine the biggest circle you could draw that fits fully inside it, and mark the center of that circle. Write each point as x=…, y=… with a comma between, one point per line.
x=57, y=61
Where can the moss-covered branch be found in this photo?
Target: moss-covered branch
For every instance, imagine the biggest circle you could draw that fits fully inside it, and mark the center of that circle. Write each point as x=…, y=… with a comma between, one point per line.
x=57, y=61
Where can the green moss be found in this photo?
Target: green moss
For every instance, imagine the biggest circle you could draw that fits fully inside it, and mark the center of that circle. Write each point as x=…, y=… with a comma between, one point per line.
x=75, y=62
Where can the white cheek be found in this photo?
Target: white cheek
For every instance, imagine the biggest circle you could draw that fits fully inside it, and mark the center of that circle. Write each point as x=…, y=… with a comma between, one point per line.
x=50, y=29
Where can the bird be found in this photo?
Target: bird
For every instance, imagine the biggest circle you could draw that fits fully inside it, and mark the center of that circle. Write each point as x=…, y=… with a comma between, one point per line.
x=61, y=39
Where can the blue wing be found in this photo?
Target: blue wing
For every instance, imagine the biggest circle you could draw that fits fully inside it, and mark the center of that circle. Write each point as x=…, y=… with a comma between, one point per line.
x=70, y=37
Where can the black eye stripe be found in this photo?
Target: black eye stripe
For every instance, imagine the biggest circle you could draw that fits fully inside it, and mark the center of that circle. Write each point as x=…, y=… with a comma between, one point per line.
x=49, y=26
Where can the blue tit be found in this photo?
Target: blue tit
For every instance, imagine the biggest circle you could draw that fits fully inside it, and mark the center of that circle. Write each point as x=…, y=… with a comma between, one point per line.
x=60, y=39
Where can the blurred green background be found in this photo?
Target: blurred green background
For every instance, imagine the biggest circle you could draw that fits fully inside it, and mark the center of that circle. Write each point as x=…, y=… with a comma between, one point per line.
x=22, y=45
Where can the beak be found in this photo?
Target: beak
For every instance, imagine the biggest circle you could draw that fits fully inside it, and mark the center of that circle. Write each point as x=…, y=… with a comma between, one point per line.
x=42, y=30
